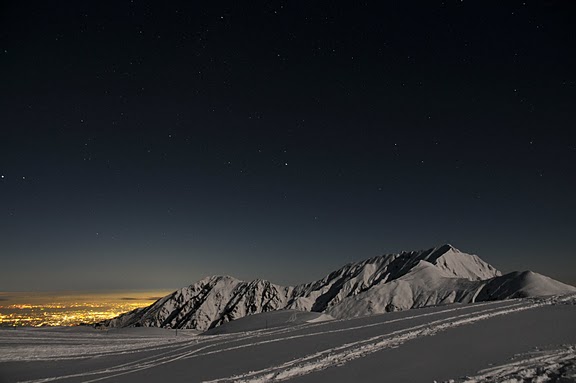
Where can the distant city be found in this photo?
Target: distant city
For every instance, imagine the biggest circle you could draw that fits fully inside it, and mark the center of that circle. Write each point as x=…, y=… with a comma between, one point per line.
x=58, y=309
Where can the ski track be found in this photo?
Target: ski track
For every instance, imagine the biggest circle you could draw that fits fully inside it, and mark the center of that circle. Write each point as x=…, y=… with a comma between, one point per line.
x=339, y=355
x=343, y=354
x=93, y=353
x=531, y=367
x=350, y=351
x=346, y=329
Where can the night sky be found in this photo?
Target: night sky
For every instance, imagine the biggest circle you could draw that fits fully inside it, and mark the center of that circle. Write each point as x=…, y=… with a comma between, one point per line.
x=149, y=144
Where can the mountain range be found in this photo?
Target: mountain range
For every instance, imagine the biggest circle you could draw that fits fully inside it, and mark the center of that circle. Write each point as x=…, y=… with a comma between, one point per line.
x=392, y=282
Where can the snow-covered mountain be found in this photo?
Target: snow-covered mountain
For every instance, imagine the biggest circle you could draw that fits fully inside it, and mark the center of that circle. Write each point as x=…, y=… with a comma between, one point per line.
x=207, y=303
x=386, y=283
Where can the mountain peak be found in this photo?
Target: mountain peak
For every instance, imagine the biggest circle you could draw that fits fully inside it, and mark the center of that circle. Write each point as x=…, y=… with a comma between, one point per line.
x=447, y=247
x=218, y=278
x=460, y=264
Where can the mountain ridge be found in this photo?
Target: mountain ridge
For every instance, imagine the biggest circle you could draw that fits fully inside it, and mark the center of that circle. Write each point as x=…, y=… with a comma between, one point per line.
x=389, y=282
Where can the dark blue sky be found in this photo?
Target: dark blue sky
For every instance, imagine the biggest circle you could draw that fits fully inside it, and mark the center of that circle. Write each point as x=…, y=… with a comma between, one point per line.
x=148, y=145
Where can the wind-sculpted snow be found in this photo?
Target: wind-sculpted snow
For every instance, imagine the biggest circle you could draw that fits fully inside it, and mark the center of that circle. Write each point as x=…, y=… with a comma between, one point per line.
x=387, y=283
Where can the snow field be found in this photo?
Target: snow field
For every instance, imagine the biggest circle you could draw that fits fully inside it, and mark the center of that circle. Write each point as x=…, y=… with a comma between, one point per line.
x=277, y=354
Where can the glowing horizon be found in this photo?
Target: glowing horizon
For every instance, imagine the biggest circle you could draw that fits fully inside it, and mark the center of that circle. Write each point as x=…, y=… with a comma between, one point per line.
x=70, y=308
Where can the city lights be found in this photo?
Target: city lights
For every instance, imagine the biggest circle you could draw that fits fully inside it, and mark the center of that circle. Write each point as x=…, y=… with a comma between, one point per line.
x=68, y=310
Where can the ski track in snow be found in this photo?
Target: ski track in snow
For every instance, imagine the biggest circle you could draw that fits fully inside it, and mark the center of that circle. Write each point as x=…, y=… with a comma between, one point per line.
x=207, y=345
x=542, y=366
x=157, y=359
x=342, y=354
x=56, y=352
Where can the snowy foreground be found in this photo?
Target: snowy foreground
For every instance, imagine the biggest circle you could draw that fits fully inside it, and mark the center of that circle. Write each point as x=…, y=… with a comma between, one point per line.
x=520, y=340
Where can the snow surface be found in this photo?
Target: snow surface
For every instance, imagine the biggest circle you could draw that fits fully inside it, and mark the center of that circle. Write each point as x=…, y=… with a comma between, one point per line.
x=271, y=319
x=423, y=345
x=557, y=365
x=60, y=343
x=382, y=284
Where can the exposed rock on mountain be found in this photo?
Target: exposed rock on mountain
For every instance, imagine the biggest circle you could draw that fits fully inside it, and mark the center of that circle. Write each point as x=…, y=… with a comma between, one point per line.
x=207, y=303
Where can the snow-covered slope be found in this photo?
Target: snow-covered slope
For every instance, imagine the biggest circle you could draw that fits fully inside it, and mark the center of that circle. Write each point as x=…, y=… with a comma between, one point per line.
x=269, y=320
x=474, y=341
x=386, y=283
x=207, y=303
x=356, y=278
x=522, y=285
x=427, y=285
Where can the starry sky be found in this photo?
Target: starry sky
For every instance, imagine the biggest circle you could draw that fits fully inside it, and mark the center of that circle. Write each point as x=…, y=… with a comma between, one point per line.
x=146, y=145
